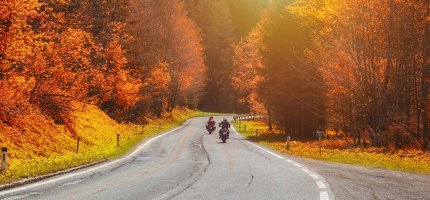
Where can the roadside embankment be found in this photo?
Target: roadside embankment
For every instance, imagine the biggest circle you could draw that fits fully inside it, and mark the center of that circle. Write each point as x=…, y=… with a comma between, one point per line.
x=37, y=146
x=408, y=160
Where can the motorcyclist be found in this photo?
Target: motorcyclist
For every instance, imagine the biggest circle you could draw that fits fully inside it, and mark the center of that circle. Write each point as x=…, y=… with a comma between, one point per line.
x=224, y=124
x=211, y=123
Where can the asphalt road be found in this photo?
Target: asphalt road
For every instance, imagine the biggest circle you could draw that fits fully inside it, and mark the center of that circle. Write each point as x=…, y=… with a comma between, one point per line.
x=362, y=183
x=186, y=163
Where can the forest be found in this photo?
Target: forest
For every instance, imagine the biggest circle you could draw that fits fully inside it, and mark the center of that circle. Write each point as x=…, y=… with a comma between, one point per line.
x=359, y=68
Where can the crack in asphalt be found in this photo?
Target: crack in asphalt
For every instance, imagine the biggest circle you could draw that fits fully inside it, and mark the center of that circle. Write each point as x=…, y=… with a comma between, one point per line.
x=121, y=165
x=193, y=178
x=250, y=171
x=22, y=196
x=252, y=180
x=188, y=164
x=100, y=191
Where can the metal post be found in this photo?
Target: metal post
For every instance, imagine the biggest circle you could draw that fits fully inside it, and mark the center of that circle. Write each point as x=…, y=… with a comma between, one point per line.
x=320, y=136
x=256, y=133
x=77, y=145
x=244, y=128
x=288, y=142
x=4, y=159
x=117, y=140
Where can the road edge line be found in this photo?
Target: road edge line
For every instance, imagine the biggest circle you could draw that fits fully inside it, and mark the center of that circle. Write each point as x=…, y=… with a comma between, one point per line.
x=42, y=180
x=325, y=193
x=26, y=181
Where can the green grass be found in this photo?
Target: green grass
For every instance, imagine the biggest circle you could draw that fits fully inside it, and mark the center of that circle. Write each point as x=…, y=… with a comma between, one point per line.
x=30, y=157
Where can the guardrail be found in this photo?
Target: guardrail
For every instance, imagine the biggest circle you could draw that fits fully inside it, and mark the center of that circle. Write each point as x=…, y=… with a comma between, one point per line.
x=248, y=117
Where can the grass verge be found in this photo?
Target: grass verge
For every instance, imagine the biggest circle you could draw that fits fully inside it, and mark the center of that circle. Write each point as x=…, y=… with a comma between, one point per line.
x=411, y=160
x=38, y=147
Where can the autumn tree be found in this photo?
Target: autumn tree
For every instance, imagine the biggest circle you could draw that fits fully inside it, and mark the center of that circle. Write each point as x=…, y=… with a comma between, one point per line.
x=247, y=60
x=374, y=56
x=49, y=55
x=163, y=33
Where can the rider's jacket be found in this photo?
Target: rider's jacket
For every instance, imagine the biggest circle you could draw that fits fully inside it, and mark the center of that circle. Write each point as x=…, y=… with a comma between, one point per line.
x=211, y=123
x=224, y=124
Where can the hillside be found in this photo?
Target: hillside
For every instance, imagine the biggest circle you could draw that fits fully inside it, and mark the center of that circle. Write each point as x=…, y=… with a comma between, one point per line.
x=37, y=145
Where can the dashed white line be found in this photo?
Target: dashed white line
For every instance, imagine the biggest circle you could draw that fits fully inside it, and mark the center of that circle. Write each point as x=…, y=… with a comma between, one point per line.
x=314, y=176
x=320, y=185
x=324, y=195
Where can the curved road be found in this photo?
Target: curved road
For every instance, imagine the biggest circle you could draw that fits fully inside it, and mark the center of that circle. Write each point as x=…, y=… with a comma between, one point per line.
x=185, y=163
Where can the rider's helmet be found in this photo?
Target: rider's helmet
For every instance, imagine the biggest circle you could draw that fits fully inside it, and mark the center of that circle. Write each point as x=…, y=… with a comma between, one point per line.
x=225, y=119
x=210, y=118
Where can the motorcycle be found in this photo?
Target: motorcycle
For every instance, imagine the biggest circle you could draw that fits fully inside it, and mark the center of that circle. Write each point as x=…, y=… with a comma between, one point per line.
x=210, y=128
x=224, y=135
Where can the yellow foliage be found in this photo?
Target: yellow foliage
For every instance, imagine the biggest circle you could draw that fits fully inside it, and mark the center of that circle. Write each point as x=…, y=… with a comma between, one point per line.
x=37, y=146
x=410, y=160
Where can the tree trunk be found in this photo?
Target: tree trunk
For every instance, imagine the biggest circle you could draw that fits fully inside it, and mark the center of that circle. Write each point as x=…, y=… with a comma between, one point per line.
x=424, y=81
x=269, y=118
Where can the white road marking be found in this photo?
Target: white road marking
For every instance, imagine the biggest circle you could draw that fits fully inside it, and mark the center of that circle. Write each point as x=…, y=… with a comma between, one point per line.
x=298, y=165
x=314, y=176
x=49, y=181
x=324, y=195
x=320, y=185
x=271, y=153
x=151, y=140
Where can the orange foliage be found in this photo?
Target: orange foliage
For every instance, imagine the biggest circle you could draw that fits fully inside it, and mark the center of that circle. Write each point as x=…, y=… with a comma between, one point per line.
x=57, y=54
x=247, y=59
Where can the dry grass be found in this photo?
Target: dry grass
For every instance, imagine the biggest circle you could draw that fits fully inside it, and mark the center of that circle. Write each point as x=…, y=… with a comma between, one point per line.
x=410, y=160
x=39, y=146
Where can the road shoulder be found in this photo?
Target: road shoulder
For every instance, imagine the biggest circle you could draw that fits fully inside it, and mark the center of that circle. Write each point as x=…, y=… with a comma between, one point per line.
x=357, y=182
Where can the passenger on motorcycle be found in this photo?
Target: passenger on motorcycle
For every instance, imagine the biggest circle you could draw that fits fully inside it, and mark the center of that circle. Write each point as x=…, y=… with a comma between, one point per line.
x=224, y=124
x=211, y=123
